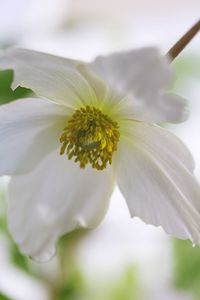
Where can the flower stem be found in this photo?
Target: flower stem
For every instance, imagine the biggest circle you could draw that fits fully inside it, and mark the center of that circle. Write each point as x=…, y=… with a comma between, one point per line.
x=184, y=41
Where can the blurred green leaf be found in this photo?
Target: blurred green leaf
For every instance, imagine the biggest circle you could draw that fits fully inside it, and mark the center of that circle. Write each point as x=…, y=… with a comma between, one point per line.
x=71, y=288
x=71, y=284
x=19, y=260
x=188, y=66
x=126, y=287
x=187, y=266
x=6, y=93
x=187, y=70
x=3, y=297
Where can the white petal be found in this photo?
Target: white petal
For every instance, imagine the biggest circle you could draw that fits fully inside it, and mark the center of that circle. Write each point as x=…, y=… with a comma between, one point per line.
x=54, y=199
x=29, y=130
x=49, y=76
x=108, y=99
x=155, y=177
x=142, y=75
x=156, y=109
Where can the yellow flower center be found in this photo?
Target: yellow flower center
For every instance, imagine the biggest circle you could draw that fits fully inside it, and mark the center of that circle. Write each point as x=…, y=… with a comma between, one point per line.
x=90, y=137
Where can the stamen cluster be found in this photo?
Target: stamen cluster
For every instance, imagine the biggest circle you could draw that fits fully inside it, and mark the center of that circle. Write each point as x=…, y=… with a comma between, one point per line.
x=91, y=137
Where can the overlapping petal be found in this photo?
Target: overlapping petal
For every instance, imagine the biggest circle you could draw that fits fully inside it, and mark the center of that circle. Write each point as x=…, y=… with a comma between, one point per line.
x=155, y=176
x=142, y=76
x=29, y=130
x=54, y=199
x=52, y=77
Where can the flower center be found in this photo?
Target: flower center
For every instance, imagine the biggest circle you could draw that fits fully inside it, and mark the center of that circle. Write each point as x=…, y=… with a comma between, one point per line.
x=90, y=137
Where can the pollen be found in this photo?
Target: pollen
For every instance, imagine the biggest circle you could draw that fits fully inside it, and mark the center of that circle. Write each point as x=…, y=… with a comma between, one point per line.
x=90, y=137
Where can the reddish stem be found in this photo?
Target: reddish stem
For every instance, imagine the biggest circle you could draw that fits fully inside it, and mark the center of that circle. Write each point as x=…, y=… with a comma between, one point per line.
x=184, y=41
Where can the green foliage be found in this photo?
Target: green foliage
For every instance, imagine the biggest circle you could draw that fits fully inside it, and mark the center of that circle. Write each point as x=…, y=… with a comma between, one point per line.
x=19, y=260
x=126, y=288
x=187, y=67
x=187, y=266
x=71, y=284
x=6, y=93
x=3, y=297
x=72, y=287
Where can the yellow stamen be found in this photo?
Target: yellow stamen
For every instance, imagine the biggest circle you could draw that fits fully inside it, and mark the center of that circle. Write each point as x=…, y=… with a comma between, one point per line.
x=90, y=137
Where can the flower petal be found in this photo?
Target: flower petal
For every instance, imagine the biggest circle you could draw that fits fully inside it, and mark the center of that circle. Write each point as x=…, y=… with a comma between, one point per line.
x=155, y=177
x=29, y=130
x=49, y=76
x=54, y=199
x=164, y=109
x=108, y=99
x=142, y=75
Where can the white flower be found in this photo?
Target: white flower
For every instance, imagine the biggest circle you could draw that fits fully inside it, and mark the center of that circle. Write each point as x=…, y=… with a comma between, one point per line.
x=104, y=114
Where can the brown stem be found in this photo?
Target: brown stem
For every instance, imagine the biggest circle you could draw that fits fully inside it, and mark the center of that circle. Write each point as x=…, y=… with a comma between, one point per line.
x=183, y=42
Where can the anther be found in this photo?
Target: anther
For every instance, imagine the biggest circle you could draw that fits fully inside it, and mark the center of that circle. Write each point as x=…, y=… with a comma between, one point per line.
x=91, y=137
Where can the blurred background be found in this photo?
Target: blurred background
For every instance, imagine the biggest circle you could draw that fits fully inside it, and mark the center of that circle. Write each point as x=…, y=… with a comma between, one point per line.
x=123, y=259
